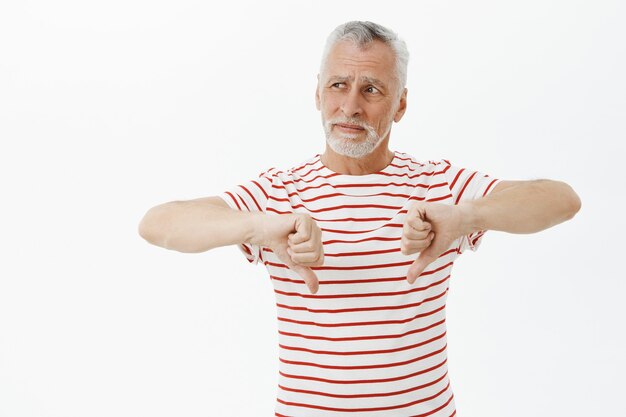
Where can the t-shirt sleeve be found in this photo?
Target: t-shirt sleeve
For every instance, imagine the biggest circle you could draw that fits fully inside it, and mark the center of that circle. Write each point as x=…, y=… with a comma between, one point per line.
x=466, y=184
x=251, y=196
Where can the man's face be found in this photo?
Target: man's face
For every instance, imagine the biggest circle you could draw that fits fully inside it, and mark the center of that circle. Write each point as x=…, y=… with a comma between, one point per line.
x=358, y=97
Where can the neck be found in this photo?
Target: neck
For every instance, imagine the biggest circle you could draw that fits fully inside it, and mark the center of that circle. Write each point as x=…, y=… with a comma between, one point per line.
x=369, y=164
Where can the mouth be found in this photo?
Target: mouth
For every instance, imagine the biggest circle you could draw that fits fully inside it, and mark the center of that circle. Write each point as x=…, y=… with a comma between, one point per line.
x=349, y=128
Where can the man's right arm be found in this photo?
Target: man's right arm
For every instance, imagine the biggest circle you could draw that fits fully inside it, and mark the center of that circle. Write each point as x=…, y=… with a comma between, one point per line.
x=205, y=223
x=199, y=225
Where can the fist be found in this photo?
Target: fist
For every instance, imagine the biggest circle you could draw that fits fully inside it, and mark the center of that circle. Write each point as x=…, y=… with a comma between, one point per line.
x=305, y=243
x=417, y=232
x=430, y=229
x=296, y=240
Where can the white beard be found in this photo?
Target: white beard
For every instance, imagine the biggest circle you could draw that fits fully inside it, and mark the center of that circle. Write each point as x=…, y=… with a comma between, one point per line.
x=347, y=144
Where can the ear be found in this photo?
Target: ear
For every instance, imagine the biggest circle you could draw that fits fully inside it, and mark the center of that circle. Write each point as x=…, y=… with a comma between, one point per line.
x=317, y=93
x=401, y=108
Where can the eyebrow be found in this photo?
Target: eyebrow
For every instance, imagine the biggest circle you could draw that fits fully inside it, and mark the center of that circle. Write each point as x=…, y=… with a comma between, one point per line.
x=366, y=80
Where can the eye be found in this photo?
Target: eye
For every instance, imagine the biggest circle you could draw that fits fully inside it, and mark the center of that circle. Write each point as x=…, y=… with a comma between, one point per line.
x=372, y=90
x=338, y=85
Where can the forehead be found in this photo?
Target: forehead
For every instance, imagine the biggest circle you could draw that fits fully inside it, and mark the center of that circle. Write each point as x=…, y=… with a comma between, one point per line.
x=347, y=59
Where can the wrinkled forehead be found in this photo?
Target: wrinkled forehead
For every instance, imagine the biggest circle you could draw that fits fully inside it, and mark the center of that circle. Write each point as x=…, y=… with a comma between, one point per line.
x=346, y=58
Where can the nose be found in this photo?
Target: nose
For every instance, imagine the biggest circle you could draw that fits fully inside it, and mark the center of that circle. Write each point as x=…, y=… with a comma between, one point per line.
x=351, y=106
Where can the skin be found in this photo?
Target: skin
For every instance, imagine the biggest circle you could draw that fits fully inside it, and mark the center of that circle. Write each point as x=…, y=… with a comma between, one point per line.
x=360, y=83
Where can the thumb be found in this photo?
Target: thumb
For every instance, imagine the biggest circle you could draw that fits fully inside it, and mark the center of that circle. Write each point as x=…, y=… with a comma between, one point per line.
x=309, y=277
x=425, y=258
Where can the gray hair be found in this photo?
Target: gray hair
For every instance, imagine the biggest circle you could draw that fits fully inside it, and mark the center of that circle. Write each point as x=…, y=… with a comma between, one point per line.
x=363, y=33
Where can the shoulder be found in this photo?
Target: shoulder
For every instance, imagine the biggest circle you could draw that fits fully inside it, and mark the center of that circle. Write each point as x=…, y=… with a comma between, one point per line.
x=434, y=166
x=301, y=170
x=308, y=168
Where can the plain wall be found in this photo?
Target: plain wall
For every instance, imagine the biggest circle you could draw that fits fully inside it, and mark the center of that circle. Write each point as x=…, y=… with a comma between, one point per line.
x=110, y=108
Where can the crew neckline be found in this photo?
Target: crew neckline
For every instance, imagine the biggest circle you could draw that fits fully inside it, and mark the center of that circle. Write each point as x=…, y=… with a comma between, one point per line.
x=383, y=171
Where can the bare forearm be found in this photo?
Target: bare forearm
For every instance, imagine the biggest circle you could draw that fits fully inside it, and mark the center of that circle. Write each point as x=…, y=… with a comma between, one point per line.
x=527, y=207
x=197, y=226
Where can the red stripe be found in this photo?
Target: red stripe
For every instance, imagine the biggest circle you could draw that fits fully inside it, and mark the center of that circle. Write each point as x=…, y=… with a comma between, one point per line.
x=243, y=202
x=430, y=200
x=489, y=187
x=353, y=338
x=312, y=170
x=369, y=185
x=261, y=188
x=369, y=395
x=308, y=163
x=480, y=234
x=354, y=267
x=384, y=239
x=458, y=174
x=357, y=268
x=362, y=410
x=314, y=178
x=277, y=211
x=234, y=199
x=360, y=219
x=428, y=174
x=340, y=254
x=360, y=367
x=363, y=352
x=358, y=295
x=323, y=196
x=361, y=323
x=251, y=196
x=363, y=253
x=387, y=184
x=378, y=308
x=441, y=407
x=354, y=232
x=347, y=206
x=403, y=166
x=364, y=219
x=364, y=381
x=307, y=200
x=347, y=268
x=243, y=245
x=464, y=187
x=301, y=189
x=404, y=159
x=367, y=280
x=350, y=281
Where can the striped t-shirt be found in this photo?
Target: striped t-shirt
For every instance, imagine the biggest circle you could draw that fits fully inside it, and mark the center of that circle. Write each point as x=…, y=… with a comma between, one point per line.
x=367, y=343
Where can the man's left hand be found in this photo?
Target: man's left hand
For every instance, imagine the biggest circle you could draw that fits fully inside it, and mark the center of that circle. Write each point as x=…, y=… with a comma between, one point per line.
x=430, y=229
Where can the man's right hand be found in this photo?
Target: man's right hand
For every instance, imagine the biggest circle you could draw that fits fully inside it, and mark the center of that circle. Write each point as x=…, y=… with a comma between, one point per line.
x=202, y=224
x=295, y=239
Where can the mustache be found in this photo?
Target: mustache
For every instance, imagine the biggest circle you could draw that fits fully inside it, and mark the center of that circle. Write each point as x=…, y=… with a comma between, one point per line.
x=350, y=121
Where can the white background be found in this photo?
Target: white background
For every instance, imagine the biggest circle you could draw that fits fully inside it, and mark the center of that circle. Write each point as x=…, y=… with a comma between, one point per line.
x=110, y=108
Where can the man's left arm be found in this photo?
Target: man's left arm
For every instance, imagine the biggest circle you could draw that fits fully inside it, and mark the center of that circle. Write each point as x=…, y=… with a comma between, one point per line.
x=512, y=206
x=521, y=207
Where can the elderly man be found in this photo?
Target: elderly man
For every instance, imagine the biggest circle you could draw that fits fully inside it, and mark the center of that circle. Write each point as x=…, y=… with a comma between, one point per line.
x=361, y=316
